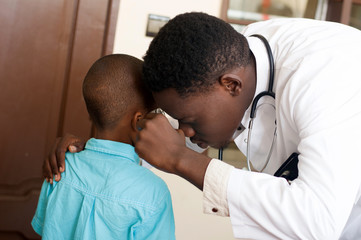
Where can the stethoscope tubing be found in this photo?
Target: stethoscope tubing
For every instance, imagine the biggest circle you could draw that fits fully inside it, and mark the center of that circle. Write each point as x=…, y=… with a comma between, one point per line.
x=270, y=93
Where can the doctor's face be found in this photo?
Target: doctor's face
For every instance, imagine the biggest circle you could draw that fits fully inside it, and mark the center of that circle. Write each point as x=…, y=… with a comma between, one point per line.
x=209, y=119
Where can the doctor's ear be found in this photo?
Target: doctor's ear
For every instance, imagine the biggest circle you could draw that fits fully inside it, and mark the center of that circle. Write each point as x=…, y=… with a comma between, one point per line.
x=135, y=121
x=231, y=83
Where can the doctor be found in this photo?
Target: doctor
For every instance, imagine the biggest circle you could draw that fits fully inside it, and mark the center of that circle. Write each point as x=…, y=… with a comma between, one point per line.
x=206, y=75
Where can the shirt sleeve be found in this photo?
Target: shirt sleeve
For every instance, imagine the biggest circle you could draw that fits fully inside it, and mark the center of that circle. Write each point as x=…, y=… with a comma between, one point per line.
x=215, y=188
x=39, y=218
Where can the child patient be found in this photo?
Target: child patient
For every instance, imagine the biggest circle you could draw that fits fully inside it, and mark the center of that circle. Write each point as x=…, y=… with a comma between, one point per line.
x=104, y=193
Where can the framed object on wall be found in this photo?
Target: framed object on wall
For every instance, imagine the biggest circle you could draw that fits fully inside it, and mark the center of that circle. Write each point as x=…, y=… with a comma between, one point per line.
x=155, y=23
x=243, y=12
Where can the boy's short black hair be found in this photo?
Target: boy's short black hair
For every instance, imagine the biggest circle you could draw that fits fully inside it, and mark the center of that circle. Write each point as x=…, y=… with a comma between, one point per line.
x=112, y=87
x=191, y=52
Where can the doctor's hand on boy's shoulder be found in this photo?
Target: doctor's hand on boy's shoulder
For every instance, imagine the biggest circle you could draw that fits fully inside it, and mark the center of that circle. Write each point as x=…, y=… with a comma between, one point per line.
x=54, y=164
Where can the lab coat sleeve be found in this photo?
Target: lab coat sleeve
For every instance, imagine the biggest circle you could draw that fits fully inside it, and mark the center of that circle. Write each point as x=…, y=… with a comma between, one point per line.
x=318, y=203
x=215, y=188
x=314, y=206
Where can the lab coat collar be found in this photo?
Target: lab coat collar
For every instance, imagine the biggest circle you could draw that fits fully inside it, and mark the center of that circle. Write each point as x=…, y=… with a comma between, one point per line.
x=262, y=69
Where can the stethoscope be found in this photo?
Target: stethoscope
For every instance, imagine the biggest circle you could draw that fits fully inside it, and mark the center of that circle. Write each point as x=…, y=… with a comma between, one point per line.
x=269, y=92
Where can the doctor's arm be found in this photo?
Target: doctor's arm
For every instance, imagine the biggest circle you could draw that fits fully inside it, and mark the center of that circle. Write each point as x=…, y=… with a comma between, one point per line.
x=165, y=148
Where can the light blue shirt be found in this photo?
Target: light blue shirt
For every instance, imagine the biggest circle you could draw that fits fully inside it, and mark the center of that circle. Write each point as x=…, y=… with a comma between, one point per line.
x=105, y=194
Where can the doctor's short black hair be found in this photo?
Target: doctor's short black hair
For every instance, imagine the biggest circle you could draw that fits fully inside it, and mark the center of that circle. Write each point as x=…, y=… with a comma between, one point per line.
x=191, y=52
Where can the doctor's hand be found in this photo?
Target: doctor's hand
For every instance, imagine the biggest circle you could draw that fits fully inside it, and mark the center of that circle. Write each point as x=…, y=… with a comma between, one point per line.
x=165, y=148
x=54, y=164
x=158, y=142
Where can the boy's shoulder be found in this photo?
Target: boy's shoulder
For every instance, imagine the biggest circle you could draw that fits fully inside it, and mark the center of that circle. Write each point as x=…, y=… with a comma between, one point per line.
x=150, y=182
x=116, y=177
x=148, y=174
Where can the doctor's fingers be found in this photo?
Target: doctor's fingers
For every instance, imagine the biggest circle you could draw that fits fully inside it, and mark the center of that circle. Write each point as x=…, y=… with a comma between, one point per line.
x=151, y=120
x=47, y=173
x=50, y=164
x=153, y=131
x=146, y=145
x=180, y=132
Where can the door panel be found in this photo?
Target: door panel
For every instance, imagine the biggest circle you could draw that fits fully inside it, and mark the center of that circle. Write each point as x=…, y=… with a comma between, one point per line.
x=46, y=49
x=88, y=46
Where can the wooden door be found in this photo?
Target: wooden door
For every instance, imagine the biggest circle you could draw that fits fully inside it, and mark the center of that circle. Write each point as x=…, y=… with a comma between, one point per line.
x=46, y=48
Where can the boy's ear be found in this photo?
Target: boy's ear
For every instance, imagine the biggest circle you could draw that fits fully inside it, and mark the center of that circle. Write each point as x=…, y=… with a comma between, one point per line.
x=136, y=118
x=231, y=83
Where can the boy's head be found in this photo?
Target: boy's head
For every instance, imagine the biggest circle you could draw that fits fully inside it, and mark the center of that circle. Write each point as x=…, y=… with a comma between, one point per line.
x=115, y=94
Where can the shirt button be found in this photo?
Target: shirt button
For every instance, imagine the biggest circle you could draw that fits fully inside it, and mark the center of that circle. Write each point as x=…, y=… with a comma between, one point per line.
x=214, y=210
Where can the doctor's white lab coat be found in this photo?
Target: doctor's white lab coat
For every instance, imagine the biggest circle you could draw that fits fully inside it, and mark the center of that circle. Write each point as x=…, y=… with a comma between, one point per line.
x=318, y=115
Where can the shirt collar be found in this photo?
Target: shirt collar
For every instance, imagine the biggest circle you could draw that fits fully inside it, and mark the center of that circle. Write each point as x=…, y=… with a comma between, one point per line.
x=117, y=149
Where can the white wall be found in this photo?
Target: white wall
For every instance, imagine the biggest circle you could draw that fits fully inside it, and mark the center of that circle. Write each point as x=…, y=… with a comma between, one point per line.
x=190, y=222
x=130, y=38
x=133, y=15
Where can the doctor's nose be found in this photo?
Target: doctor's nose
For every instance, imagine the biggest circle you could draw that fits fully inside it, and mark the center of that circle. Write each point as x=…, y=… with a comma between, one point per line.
x=188, y=130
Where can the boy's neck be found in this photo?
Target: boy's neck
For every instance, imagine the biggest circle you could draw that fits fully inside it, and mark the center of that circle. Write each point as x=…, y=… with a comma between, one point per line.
x=113, y=135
